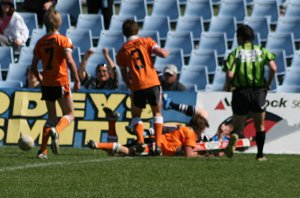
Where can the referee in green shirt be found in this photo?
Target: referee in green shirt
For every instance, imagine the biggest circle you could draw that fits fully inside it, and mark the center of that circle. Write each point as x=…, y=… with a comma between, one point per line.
x=244, y=69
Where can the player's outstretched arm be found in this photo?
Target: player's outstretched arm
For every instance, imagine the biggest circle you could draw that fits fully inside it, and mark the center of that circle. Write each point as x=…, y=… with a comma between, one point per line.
x=160, y=52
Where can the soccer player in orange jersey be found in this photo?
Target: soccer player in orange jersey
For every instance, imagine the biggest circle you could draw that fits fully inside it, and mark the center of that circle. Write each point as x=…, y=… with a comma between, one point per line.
x=140, y=76
x=180, y=141
x=55, y=52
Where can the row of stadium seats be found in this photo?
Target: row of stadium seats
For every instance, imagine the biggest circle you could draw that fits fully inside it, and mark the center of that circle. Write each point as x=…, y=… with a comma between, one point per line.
x=171, y=40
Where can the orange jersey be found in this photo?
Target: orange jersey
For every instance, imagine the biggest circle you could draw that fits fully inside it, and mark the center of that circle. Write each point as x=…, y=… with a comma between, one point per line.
x=136, y=56
x=174, y=141
x=51, y=50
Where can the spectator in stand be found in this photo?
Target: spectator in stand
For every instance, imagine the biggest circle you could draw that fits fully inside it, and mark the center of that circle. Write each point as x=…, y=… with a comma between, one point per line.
x=106, y=74
x=39, y=7
x=170, y=82
x=31, y=79
x=13, y=30
x=106, y=7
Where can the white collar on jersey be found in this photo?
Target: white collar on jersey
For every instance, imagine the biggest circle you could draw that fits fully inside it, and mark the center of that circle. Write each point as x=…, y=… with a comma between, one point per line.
x=132, y=37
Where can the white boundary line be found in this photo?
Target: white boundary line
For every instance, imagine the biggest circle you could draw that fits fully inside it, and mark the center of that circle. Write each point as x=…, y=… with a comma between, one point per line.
x=45, y=164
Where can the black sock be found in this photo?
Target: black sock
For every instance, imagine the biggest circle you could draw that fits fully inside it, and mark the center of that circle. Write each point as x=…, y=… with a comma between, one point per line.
x=260, y=142
x=188, y=110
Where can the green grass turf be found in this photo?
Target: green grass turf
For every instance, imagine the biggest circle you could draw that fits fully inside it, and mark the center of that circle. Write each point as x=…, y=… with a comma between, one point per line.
x=90, y=173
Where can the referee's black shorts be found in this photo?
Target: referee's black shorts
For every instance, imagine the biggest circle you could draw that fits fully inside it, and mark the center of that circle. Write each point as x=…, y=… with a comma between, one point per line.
x=246, y=100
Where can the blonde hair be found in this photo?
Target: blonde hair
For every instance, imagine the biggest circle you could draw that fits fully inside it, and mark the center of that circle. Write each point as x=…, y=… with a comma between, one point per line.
x=52, y=20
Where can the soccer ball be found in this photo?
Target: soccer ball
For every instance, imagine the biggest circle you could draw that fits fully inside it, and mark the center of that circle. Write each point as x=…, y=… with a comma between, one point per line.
x=25, y=142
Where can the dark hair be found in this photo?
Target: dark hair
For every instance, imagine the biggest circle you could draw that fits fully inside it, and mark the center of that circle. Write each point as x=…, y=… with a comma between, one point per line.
x=130, y=27
x=198, y=122
x=245, y=32
x=11, y=10
x=100, y=65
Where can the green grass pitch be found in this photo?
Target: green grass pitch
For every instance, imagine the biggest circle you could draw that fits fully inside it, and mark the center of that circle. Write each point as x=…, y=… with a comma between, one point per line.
x=93, y=173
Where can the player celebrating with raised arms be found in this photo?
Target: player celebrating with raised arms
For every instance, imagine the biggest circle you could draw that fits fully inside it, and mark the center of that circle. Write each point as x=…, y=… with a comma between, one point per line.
x=142, y=80
x=55, y=52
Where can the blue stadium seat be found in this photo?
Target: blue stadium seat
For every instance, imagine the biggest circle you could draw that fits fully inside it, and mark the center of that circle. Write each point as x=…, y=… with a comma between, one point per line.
x=36, y=35
x=218, y=81
x=6, y=57
x=94, y=22
x=157, y=23
x=116, y=21
x=11, y=84
x=209, y=58
x=72, y=7
x=182, y=40
x=280, y=61
x=152, y=34
x=198, y=76
x=199, y=8
x=66, y=23
x=295, y=63
x=166, y=8
x=260, y=25
x=81, y=38
x=292, y=8
x=283, y=41
x=30, y=19
x=26, y=55
x=233, y=8
x=136, y=8
x=266, y=8
x=192, y=24
x=76, y=56
x=291, y=77
x=289, y=24
x=175, y=57
x=215, y=41
x=17, y=72
x=111, y=39
x=223, y=24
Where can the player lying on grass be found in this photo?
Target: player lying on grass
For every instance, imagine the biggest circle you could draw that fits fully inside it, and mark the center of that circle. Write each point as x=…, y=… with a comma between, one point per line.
x=180, y=141
x=224, y=130
x=173, y=144
x=206, y=145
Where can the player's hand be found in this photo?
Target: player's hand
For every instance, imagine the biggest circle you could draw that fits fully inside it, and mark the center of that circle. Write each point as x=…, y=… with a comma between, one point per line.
x=76, y=86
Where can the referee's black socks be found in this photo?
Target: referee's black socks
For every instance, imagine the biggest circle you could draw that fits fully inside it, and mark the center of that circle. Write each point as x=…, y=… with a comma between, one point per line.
x=260, y=141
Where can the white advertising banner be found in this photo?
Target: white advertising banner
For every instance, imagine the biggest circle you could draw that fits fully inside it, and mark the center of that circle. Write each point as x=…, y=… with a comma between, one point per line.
x=282, y=119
